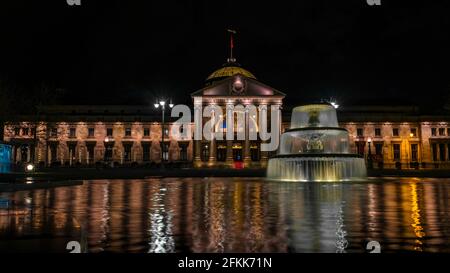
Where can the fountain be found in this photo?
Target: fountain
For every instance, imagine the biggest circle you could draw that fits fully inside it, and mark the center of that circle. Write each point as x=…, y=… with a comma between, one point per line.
x=315, y=149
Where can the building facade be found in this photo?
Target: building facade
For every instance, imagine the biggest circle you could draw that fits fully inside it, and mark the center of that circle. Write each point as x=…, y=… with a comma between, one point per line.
x=389, y=137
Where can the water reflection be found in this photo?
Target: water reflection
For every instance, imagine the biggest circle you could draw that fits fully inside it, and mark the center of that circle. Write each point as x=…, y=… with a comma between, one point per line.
x=234, y=215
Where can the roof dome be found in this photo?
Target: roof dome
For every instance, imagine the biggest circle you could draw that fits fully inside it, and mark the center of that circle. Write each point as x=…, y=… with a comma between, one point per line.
x=229, y=69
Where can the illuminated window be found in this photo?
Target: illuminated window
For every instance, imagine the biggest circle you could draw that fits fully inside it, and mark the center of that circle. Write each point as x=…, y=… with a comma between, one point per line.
x=442, y=131
x=109, y=132
x=128, y=131
x=359, y=132
x=414, y=132
x=433, y=131
x=377, y=132
x=395, y=132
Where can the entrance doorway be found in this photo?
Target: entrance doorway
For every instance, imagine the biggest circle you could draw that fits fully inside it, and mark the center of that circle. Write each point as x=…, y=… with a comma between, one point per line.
x=237, y=152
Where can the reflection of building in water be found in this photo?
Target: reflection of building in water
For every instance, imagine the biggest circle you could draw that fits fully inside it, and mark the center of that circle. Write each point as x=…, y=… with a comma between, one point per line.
x=416, y=217
x=237, y=216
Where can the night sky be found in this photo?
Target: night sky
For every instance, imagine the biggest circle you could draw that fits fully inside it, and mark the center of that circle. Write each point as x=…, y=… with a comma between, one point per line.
x=130, y=52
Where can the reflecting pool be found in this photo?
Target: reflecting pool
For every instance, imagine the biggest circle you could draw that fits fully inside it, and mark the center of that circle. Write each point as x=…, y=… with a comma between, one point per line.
x=231, y=215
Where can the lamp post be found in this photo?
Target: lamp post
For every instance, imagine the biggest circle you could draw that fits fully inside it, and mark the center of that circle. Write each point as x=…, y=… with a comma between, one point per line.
x=369, y=159
x=162, y=103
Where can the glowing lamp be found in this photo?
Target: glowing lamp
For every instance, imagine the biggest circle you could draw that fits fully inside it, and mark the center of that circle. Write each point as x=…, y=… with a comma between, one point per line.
x=369, y=140
x=29, y=167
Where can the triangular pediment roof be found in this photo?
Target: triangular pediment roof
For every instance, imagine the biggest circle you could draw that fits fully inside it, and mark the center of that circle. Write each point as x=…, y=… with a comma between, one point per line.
x=224, y=88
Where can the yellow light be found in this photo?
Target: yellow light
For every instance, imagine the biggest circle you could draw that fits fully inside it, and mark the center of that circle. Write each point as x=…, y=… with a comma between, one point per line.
x=411, y=135
x=30, y=167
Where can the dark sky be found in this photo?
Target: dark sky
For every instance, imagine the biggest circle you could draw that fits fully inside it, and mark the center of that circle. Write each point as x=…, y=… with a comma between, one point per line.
x=113, y=52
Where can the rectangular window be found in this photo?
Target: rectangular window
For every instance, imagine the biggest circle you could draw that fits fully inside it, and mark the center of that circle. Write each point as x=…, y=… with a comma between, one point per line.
x=33, y=131
x=414, y=132
x=360, y=147
x=377, y=132
x=414, y=152
x=72, y=132
x=166, y=151
x=25, y=131
x=434, y=151
x=395, y=132
x=433, y=131
x=127, y=152
x=91, y=132
x=53, y=132
x=448, y=131
x=442, y=131
x=146, y=152
x=378, y=149
x=17, y=131
x=205, y=152
x=128, y=132
x=396, y=148
x=448, y=152
x=146, y=132
x=359, y=132
x=183, y=153
x=442, y=152
x=109, y=132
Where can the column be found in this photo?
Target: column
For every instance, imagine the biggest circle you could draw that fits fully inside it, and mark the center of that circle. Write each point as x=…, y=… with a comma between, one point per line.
x=212, y=146
x=19, y=154
x=198, y=135
x=263, y=115
x=230, y=132
x=247, y=158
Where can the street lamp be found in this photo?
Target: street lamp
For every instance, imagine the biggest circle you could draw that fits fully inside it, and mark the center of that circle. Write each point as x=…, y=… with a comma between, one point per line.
x=369, y=159
x=162, y=103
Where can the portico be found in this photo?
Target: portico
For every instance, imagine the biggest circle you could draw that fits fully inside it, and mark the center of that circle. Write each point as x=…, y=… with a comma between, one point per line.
x=233, y=102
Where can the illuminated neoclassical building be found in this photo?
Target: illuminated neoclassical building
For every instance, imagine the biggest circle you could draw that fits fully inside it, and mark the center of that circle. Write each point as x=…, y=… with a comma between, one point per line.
x=391, y=137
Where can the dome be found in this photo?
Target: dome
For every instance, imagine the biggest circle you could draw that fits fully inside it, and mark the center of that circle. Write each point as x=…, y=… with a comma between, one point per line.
x=228, y=70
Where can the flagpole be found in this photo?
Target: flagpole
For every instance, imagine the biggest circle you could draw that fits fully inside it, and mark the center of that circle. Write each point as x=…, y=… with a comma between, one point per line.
x=231, y=31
